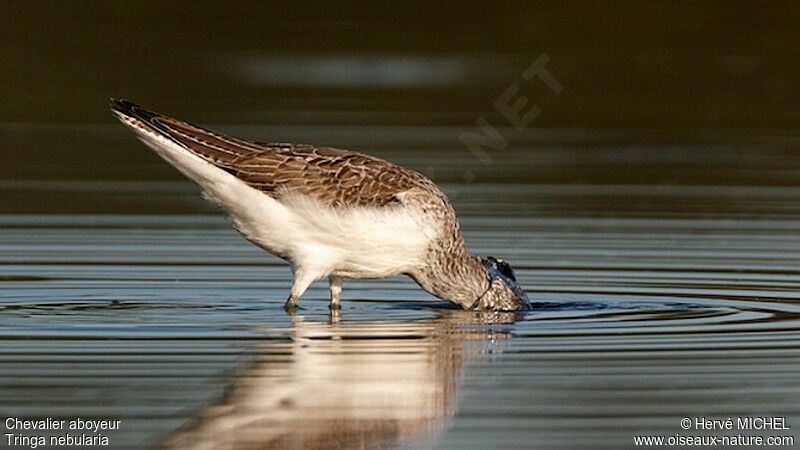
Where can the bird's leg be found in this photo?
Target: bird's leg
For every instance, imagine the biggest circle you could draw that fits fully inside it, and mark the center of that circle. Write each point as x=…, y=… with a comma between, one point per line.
x=291, y=304
x=336, y=289
x=302, y=280
x=334, y=317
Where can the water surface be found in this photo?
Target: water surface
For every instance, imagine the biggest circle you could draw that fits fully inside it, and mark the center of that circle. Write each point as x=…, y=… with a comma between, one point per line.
x=652, y=303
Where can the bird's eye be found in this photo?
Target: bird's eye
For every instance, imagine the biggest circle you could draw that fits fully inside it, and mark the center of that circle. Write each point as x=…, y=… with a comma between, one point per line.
x=505, y=269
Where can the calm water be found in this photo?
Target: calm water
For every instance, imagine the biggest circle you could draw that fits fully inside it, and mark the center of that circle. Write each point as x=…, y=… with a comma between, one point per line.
x=652, y=212
x=652, y=303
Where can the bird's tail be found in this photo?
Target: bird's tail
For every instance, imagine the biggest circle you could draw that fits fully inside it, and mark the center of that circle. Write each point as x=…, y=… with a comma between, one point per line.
x=215, y=148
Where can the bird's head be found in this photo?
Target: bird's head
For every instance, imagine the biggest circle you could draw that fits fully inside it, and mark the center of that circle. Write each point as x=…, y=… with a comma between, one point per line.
x=504, y=293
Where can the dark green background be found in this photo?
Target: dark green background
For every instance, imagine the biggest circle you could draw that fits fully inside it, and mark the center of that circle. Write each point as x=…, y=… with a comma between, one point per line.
x=623, y=64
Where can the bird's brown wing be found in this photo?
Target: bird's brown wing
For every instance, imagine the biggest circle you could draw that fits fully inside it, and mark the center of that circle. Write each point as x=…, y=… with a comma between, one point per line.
x=333, y=176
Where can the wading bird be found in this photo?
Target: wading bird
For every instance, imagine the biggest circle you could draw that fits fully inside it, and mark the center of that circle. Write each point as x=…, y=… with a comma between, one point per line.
x=331, y=213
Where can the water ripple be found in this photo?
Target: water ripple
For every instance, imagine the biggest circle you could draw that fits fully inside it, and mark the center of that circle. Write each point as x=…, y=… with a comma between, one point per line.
x=174, y=325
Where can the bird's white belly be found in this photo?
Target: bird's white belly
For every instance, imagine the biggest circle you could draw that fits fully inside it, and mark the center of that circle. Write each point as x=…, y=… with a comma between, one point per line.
x=352, y=242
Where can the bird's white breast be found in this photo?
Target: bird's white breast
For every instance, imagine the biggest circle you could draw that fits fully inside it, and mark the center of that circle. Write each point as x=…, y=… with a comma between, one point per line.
x=353, y=242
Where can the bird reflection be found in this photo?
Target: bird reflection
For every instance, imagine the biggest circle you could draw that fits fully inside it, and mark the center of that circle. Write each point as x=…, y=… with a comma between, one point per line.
x=342, y=385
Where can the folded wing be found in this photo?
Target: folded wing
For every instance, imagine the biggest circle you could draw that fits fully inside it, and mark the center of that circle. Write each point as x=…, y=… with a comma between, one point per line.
x=333, y=176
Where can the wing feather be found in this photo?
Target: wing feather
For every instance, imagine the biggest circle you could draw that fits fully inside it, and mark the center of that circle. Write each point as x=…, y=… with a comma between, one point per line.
x=332, y=176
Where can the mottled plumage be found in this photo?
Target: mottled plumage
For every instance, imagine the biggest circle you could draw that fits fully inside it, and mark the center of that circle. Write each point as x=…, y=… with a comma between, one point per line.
x=331, y=212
